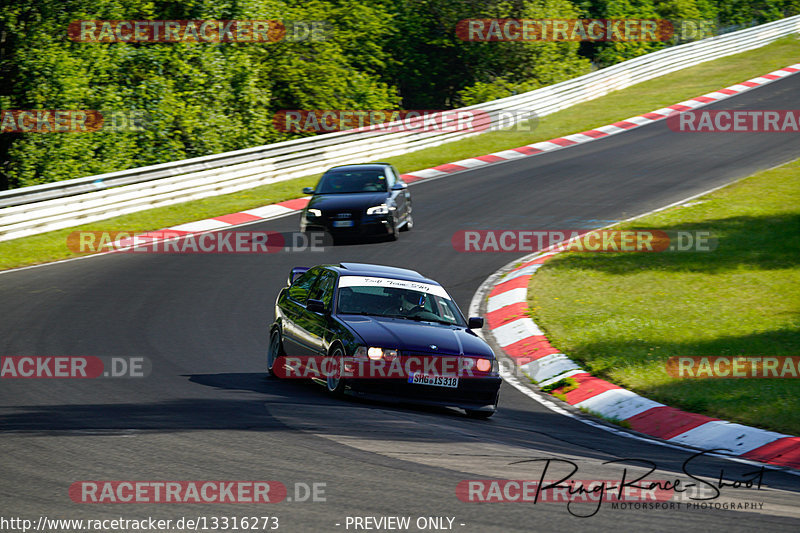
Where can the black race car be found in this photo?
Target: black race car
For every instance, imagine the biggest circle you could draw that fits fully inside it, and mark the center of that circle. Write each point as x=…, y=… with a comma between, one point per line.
x=359, y=201
x=381, y=331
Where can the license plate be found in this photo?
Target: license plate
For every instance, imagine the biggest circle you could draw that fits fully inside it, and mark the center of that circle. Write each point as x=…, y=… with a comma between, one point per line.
x=342, y=223
x=451, y=382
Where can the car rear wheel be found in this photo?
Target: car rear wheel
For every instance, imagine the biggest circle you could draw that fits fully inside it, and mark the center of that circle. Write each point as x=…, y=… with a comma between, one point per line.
x=480, y=415
x=334, y=382
x=274, y=351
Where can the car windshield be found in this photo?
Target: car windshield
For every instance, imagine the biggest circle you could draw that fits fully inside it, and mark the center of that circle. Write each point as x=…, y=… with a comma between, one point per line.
x=409, y=300
x=352, y=182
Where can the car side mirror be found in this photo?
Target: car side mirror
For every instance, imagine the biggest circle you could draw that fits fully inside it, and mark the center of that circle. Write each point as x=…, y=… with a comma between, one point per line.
x=475, y=322
x=315, y=306
x=308, y=190
x=399, y=186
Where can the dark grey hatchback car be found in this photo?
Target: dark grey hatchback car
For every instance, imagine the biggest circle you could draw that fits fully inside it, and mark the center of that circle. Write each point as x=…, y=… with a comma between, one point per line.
x=359, y=201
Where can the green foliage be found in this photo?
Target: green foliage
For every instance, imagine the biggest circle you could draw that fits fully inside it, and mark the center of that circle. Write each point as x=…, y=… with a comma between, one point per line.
x=609, y=53
x=634, y=100
x=725, y=16
x=434, y=69
x=195, y=98
x=747, y=12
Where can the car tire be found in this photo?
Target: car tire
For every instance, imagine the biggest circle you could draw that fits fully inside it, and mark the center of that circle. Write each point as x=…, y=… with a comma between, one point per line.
x=479, y=415
x=408, y=225
x=274, y=351
x=335, y=384
x=393, y=234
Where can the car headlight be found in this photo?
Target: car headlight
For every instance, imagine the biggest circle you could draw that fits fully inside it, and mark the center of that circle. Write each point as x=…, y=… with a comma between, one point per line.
x=382, y=209
x=314, y=213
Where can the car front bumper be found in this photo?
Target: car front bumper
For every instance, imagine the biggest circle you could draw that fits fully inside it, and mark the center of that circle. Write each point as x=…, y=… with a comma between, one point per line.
x=473, y=393
x=373, y=225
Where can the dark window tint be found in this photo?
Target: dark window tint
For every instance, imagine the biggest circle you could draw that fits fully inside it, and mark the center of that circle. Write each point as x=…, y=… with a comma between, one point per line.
x=323, y=290
x=352, y=182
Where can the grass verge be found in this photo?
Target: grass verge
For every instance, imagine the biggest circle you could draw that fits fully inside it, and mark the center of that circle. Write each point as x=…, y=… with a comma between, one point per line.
x=623, y=315
x=52, y=246
x=616, y=106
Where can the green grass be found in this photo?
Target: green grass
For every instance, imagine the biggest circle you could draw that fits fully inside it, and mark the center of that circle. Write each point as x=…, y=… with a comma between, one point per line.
x=566, y=385
x=560, y=388
x=616, y=106
x=623, y=315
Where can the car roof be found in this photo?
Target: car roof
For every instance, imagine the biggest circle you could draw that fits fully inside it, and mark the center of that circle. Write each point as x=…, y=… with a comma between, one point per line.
x=380, y=271
x=360, y=166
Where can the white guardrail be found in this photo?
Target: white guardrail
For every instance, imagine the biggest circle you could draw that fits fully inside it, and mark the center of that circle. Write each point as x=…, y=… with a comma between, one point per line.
x=40, y=208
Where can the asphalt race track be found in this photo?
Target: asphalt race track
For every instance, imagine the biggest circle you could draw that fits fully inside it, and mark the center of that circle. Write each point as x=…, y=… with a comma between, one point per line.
x=207, y=412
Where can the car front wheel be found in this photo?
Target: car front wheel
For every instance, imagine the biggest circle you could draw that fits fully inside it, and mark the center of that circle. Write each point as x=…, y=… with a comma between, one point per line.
x=274, y=351
x=393, y=232
x=334, y=382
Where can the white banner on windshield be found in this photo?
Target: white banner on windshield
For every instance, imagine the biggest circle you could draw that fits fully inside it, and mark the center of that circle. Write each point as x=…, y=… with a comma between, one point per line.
x=369, y=281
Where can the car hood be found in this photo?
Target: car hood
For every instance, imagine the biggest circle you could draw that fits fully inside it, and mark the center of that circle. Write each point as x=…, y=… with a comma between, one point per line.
x=360, y=200
x=411, y=336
